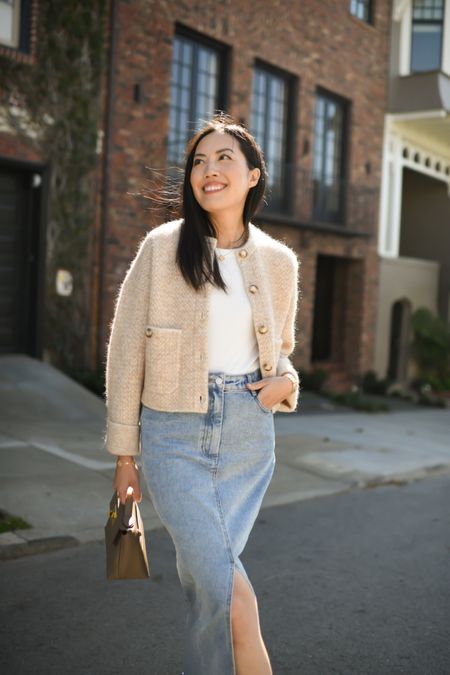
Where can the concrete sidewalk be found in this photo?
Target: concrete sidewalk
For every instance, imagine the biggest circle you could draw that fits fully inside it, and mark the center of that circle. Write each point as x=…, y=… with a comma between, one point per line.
x=56, y=474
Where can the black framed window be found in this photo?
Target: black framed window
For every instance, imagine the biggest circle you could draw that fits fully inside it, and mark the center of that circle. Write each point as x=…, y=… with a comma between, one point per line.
x=197, y=90
x=362, y=9
x=15, y=24
x=271, y=106
x=329, y=159
x=426, y=35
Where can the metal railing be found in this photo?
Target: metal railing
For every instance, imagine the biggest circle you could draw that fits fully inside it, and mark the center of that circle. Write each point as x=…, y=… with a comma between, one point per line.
x=299, y=195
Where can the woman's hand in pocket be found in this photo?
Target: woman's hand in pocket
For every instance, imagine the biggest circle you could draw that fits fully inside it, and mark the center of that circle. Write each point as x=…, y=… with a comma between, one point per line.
x=273, y=390
x=125, y=477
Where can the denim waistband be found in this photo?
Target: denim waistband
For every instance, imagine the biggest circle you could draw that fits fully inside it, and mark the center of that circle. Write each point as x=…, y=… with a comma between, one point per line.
x=220, y=378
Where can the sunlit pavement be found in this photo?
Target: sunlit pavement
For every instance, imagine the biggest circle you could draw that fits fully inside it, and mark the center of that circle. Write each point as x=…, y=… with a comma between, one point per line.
x=349, y=584
x=56, y=474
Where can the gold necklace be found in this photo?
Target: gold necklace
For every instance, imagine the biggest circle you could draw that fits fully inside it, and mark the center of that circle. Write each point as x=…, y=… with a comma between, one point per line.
x=222, y=256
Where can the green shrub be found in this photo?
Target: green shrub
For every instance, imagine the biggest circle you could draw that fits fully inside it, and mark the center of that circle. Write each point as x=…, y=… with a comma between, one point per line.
x=431, y=348
x=354, y=400
x=9, y=523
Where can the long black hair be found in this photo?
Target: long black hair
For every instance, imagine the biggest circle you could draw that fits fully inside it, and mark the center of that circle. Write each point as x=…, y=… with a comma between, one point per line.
x=193, y=255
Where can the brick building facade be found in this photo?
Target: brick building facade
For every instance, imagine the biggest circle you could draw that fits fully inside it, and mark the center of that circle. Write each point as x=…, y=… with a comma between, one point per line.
x=309, y=79
x=315, y=47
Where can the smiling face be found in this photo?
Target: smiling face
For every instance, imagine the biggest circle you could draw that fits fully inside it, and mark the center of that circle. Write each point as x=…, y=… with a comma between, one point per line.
x=220, y=177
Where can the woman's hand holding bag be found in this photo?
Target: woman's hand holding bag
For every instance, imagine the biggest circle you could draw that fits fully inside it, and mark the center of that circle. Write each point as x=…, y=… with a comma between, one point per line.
x=126, y=553
x=127, y=476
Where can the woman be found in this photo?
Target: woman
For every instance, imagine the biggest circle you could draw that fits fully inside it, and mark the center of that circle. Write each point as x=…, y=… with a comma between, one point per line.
x=197, y=363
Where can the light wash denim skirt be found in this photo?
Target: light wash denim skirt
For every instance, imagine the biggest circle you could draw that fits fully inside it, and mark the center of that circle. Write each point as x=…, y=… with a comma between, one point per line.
x=207, y=474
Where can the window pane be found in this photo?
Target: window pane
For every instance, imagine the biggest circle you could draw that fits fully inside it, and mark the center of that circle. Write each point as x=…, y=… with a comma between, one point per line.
x=194, y=92
x=268, y=125
x=328, y=139
x=206, y=81
x=426, y=47
x=185, y=77
x=428, y=9
x=9, y=22
x=186, y=53
x=361, y=9
x=212, y=88
x=427, y=28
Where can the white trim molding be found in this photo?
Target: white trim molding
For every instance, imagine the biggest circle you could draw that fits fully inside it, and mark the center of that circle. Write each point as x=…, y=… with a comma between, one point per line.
x=446, y=39
x=401, y=150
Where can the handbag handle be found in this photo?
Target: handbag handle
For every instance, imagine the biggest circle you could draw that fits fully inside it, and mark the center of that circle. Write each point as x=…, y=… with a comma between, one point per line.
x=124, y=512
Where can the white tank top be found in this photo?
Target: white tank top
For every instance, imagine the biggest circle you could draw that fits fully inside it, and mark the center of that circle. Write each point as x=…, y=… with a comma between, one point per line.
x=232, y=345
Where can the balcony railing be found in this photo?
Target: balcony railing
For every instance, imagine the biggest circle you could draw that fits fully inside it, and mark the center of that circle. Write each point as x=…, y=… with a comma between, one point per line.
x=298, y=195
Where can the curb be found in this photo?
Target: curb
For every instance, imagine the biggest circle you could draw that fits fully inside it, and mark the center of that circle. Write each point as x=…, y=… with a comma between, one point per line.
x=13, y=545
x=35, y=546
x=400, y=479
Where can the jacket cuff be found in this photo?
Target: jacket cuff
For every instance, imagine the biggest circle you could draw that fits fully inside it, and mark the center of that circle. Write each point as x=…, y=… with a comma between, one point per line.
x=122, y=439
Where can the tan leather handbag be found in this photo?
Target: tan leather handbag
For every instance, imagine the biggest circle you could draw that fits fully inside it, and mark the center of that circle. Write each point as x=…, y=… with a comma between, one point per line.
x=126, y=553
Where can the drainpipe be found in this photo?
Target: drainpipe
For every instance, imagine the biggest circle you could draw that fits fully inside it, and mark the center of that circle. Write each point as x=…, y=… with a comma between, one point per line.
x=101, y=337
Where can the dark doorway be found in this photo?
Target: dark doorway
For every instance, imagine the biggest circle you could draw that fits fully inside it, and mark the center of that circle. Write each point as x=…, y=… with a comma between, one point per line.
x=20, y=241
x=323, y=308
x=424, y=230
x=399, y=340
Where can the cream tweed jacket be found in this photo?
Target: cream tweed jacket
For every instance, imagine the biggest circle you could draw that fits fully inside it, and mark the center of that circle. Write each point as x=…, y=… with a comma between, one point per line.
x=157, y=350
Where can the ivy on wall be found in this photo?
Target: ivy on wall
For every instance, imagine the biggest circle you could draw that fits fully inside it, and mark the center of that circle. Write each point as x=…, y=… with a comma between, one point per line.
x=55, y=107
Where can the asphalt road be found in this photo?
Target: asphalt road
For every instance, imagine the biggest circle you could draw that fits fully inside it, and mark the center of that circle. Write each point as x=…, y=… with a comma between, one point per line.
x=351, y=584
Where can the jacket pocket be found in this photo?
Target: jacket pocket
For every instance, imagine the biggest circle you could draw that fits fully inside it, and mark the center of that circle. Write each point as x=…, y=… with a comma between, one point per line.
x=162, y=359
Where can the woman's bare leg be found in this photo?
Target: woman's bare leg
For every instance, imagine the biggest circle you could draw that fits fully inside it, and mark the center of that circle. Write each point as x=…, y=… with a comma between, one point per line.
x=250, y=652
